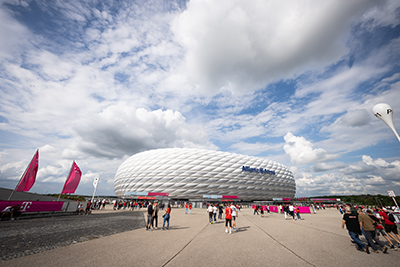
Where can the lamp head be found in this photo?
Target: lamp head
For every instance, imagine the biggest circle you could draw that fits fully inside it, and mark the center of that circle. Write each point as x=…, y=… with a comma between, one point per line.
x=385, y=113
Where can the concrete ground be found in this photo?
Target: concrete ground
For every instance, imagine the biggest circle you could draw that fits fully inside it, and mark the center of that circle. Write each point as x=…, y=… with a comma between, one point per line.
x=318, y=240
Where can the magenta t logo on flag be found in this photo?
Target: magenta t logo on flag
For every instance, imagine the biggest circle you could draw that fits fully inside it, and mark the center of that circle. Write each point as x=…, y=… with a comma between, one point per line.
x=29, y=177
x=73, y=180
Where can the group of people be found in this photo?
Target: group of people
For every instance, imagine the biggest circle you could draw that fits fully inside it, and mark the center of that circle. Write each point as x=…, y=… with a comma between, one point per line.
x=133, y=205
x=188, y=207
x=99, y=204
x=13, y=211
x=85, y=211
x=365, y=222
x=287, y=210
x=292, y=211
x=231, y=214
x=152, y=216
x=260, y=208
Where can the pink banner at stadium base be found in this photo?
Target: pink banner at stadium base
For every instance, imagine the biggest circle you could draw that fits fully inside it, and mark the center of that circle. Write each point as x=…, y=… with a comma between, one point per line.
x=33, y=206
x=271, y=208
x=235, y=197
x=304, y=210
x=275, y=209
x=158, y=194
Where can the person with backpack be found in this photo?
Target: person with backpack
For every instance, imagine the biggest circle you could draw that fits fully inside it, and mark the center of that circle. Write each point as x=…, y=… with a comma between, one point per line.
x=379, y=229
x=390, y=227
x=367, y=225
x=353, y=227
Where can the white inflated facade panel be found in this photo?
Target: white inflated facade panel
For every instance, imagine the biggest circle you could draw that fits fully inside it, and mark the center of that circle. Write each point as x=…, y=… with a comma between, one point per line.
x=187, y=173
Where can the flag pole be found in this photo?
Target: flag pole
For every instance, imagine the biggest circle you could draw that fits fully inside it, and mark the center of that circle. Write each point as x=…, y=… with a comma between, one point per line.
x=58, y=199
x=27, y=167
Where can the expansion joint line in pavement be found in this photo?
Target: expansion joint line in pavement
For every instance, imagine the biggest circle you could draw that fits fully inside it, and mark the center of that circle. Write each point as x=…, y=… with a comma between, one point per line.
x=316, y=229
x=187, y=244
x=282, y=245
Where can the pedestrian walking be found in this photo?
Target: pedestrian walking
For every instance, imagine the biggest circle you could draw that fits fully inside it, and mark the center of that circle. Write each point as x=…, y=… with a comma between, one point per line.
x=285, y=211
x=380, y=230
x=228, y=220
x=353, y=228
x=291, y=211
x=235, y=214
x=210, y=214
x=220, y=211
x=215, y=210
x=367, y=224
x=255, y=210
x=298, y=213
x=390, y=227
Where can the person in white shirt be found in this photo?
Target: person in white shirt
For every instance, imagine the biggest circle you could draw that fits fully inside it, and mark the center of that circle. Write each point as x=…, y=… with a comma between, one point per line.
x=215, y=210
x=210, y=213
x=291, y=211
x=235, y=214
x=7, y=210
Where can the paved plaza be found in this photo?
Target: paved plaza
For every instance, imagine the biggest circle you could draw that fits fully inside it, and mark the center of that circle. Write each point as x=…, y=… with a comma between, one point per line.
x=318, y=240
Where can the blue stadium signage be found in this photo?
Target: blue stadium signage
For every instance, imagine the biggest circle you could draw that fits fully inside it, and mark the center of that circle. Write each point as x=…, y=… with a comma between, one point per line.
x=260, y=170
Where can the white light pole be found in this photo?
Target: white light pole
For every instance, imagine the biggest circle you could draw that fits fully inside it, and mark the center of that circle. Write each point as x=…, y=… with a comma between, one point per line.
x=385, y=113
x=95, y=184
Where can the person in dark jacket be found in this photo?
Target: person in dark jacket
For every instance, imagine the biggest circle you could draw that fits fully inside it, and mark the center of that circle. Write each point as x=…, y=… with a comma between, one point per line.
x=353, y=227
x=150, y=212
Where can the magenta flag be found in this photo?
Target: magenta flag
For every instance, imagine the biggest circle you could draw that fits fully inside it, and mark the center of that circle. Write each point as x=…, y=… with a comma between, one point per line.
x=73, y=180
x=29, y=177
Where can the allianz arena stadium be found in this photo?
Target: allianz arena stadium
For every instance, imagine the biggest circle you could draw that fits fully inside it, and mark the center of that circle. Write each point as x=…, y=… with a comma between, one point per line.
x=187, y=174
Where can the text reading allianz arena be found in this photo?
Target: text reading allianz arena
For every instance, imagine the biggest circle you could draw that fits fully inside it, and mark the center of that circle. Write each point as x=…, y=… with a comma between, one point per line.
x=185, y=173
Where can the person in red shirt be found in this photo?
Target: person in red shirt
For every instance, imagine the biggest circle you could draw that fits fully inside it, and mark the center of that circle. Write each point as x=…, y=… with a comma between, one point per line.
x=190, y=208
x=389, y=226
x=186, y=207
x=228, y=219
x=88, y=208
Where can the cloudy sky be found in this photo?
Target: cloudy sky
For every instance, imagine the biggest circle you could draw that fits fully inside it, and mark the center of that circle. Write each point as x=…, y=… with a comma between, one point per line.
x=292, y=81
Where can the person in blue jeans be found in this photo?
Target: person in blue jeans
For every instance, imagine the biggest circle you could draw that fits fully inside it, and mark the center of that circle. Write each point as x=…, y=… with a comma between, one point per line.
x=353, y=227
x=167, y=216
x=298, y=213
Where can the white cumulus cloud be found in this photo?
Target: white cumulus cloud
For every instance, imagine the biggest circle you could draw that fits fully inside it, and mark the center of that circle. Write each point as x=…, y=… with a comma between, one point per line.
x=302, y=151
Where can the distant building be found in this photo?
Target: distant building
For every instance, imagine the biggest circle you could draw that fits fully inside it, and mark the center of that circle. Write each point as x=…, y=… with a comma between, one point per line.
x=184, y=173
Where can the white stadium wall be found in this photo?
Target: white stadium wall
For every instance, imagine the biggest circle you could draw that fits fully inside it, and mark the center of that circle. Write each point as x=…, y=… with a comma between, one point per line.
x=186, y=173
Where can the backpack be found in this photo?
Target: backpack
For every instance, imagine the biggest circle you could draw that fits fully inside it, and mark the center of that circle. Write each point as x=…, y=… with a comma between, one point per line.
x=391, y=218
